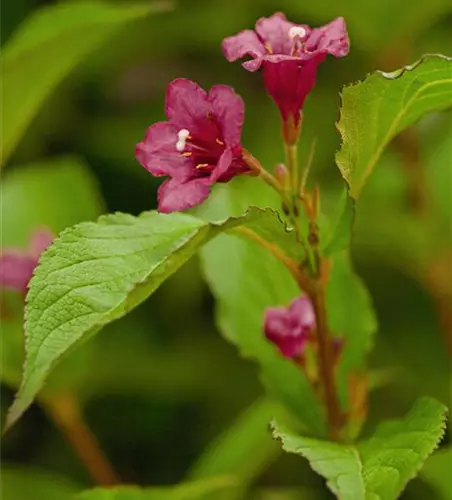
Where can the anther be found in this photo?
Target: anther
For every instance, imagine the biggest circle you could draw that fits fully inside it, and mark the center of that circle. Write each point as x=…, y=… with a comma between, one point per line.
x=182, y=136
x=297, y=32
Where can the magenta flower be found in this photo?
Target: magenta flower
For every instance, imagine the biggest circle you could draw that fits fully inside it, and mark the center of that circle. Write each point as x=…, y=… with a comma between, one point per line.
x=17, y=266
x=198, y=146
x=288, y=327
x=290, y=54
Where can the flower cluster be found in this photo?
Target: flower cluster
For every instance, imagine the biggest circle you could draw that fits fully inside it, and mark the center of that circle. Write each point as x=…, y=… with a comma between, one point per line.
x=17, y=265
x=200, y=142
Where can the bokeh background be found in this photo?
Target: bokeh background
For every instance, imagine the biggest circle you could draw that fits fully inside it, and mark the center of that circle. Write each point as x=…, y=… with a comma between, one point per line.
x=158, y=386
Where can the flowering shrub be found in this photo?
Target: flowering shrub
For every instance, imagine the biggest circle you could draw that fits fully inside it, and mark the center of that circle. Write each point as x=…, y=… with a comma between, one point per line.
x=280, y=269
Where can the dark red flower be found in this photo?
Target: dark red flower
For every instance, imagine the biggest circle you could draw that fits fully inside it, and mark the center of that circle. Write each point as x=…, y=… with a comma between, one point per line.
x=17, y=266
x=288, y=327
x=290, y=54
x=199, y=145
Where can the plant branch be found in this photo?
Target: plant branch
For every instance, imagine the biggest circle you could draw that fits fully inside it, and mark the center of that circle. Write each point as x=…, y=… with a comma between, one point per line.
x=326, y=362
x=65, y=412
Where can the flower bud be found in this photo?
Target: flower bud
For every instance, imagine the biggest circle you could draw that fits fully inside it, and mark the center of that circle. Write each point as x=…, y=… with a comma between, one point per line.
x=288, y=327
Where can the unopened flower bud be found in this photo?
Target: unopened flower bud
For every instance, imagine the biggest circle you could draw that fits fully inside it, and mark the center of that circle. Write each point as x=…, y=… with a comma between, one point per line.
x=282, y=175
x=288, y=327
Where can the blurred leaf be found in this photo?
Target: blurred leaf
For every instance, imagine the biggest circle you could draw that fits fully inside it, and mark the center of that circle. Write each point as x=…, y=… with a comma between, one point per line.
x=56, y=193
x=374, y=111
x=234, y=451
x=380, y=467
x=25, y=483
x=96, y=272
x=189, y=491
x=351, y=317
x=43, y=51
x=251, y=281
x=437, y=472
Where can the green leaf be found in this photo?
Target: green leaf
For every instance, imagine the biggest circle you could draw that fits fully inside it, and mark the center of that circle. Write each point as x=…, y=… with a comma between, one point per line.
x=374, y=111
x=188, y=491
x=24, y=482
x=234, y=451
x=45, y=49
x=379, y=468
x=437, y=472
x=96, y=272
x=252, y=281
x=56, y=193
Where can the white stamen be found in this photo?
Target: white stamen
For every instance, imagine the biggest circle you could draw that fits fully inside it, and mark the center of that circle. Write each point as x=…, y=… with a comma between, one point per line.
x=297, y=31
x=182, y=136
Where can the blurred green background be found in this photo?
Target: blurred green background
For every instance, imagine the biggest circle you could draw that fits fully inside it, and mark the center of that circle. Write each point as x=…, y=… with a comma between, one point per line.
x=159, y=385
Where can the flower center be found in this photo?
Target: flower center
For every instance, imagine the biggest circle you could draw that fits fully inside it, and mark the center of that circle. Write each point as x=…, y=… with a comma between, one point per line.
x=204, y=151
x=297, y=34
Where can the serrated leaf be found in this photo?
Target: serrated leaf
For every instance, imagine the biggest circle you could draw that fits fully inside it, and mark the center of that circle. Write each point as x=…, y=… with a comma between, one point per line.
x=252, y=281
x=44, y=50
x=96, y=272
x=374, y=111
x=197, y=490
x=379, y=468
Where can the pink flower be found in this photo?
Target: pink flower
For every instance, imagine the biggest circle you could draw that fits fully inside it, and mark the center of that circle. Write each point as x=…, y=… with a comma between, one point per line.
x=198, y=146
x=288, y=327
x=17, y=266
x=289, y=54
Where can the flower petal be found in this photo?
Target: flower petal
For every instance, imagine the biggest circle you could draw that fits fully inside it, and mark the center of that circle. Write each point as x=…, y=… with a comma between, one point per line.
x=174, y=196
x=220, y=172
x=40, y=239
x=289, y=83
x=274, y=31
x=330, y=39
x=186, y=104
x=16, y=270
x=301, y=309
x=229, y=110
x=158, y=153
x=245, y=43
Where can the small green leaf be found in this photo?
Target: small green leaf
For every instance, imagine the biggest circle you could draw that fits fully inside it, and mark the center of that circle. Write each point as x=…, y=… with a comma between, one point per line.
x=252, y=281
x=95, y=273
x=374, y=111
x=234, y=451
x=340, y=234
x=197, y=490
x=45, y=49
x=379, y=468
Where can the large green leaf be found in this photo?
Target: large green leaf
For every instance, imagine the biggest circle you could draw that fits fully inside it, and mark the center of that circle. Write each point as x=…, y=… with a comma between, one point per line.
x=374, y=111
x=197, y=490
x=253, y=280
x=234, y=451
x=43, y=51
x=96, y=272
x=379, y=468
x=19, y=483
